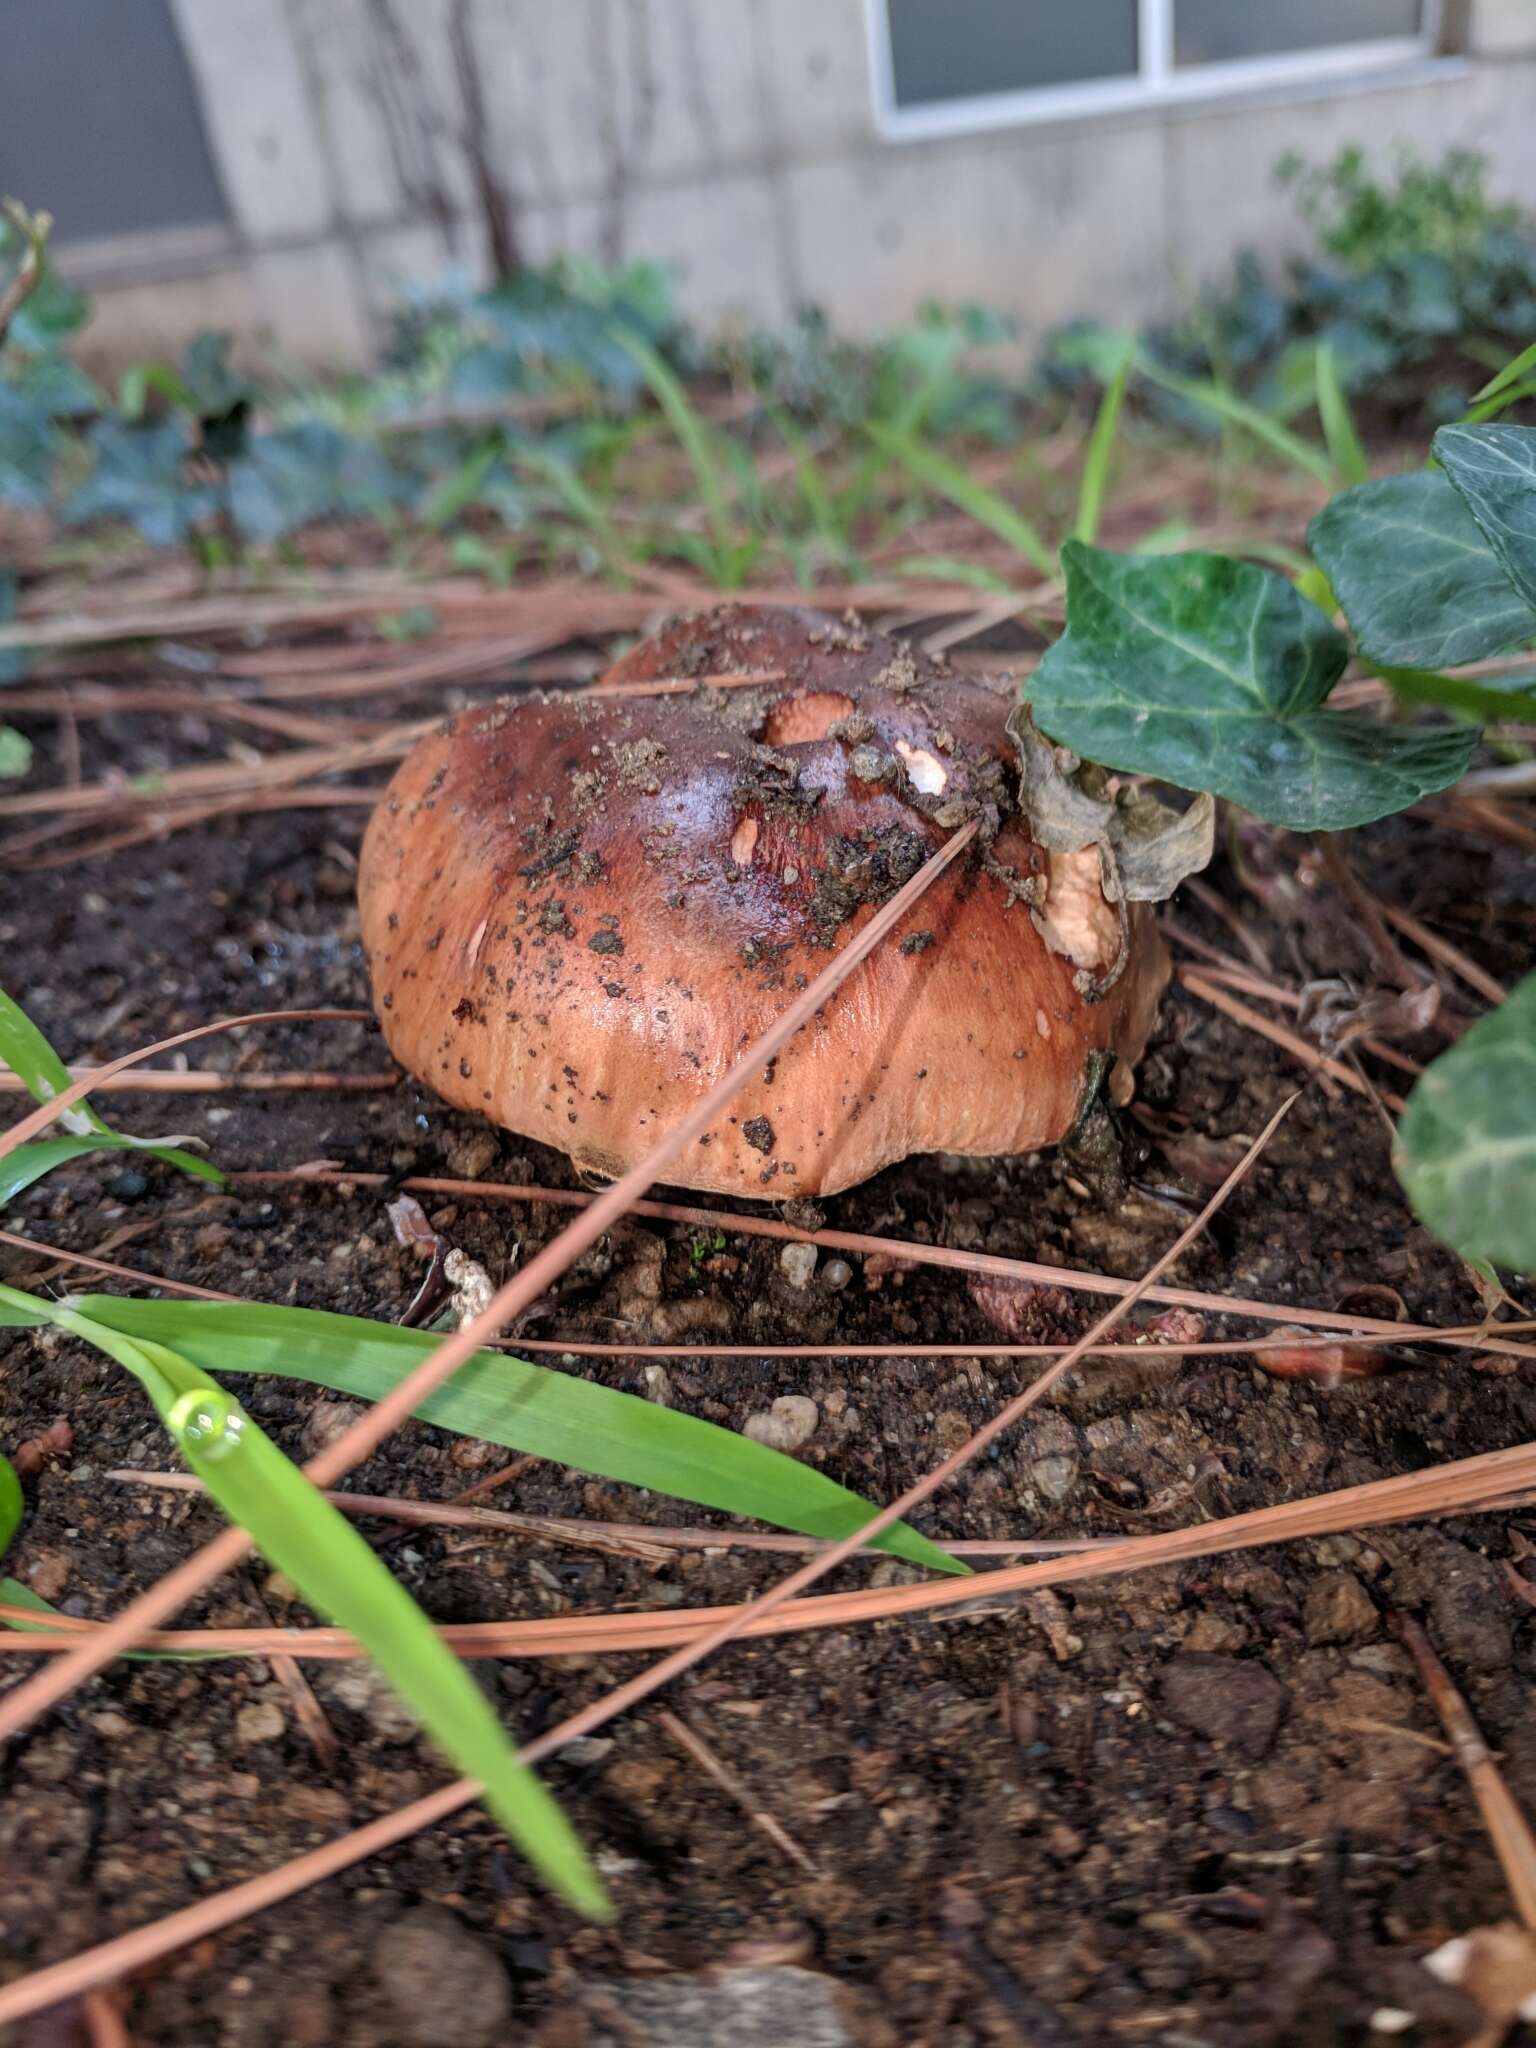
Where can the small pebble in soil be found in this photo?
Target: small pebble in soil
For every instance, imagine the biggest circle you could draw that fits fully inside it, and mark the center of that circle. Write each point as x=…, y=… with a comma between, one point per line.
x=445, y=1987
x=797, y=1262
x=260, y=1721
x=836, y=1274
x=788, y=1423
x=367, y=1692
x=470, y=1155
x=1339, y=1610
x=328, y=1420
x=128, y=1185
x=1053, y=1477
x=1232, y=1700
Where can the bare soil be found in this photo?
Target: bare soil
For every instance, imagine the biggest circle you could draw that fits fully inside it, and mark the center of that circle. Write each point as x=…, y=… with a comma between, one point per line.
x=1172, y=1808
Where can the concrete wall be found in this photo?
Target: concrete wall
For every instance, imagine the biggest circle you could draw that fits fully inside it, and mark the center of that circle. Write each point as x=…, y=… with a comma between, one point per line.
x=735, y=140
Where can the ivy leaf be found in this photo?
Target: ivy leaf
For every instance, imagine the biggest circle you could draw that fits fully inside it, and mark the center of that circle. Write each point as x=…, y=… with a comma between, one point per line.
x=13, y=660
x=1494, y=468
x=29, y=448
x=138, y=477
x=1466, y=1146
x=1211, y=674
x=1417, y=580
x=307, y=472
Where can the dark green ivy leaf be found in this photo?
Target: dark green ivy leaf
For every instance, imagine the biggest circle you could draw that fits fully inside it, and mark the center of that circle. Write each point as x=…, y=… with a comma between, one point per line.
x=1211, y=674
x=1418, y=581
x=1494, y=468
x=1466, y=1147
x=138, y=476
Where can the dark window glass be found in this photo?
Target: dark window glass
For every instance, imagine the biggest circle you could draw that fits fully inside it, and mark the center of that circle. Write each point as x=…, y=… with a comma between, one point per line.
x=1225, y=31
x=961, y=49
x=99, y=122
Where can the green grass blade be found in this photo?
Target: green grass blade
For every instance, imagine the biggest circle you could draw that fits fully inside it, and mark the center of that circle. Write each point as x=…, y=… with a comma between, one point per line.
x=690, y=431
x=1501, y=401
x=523, y=1407
x=811, y=483
x=1512, y=371
x=951, y=569
x=929, y=467
x=11, y=1504
x=1349, y=457
x=28, y=1163
x=30, y=1057
x=1484, y=700
x=582, y=503
x=1227, y=406
x=1094, y=487
x=341, y=1577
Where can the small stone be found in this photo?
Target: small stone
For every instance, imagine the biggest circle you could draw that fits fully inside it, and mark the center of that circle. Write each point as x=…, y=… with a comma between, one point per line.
x=320, y=1806
x=111, y=1726
x=658, y=1388
x=1338, y=1610
x=445, y=1987
x=367, y=1692
x=329, y=1420
x=1053, y=1478
x=788, y=1423
x=470, y=1155
x=1232, y=1700
x=797, y=1262
x=48, y=1574
x=750, y=2008
x=836, y=1274
x=587, y=1749
x=260, y=1721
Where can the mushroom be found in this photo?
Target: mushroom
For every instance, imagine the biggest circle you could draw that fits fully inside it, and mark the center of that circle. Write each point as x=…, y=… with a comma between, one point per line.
x=579, y=910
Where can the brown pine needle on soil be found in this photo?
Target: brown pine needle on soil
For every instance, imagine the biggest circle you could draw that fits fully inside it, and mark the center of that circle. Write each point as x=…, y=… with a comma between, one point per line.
x=1492, y=1482
x=1253, y=1020
x=908, y=1250
x=692, y=1743
x=1508, y=1829
x=210, y=1082
x=518, y=1293
x=1480, y=1336
x=462, y=1514
x=1462, y=1487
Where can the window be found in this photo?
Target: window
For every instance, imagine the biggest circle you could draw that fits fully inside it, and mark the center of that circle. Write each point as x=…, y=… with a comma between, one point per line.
x=99, y=121
x=942, y=67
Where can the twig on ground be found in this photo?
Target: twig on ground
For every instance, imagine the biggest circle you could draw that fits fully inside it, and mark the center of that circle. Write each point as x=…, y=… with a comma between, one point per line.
x=688, y=1739
x=1508, y=1829
x=1277, y=1034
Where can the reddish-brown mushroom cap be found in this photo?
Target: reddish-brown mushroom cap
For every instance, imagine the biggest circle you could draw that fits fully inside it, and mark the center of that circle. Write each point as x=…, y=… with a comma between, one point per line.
x=579, y=911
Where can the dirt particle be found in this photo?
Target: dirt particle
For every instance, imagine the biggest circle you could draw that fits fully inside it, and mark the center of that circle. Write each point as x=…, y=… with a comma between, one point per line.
x=1338, y=1610
x=758, y=1133
x=1231, y=1700
x=605, y=942
x=260, y=1721
x=786, y=1424
x=444, y=1987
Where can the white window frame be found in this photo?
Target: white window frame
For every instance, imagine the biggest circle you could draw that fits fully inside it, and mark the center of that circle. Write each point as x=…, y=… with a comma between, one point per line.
x=1157, y=84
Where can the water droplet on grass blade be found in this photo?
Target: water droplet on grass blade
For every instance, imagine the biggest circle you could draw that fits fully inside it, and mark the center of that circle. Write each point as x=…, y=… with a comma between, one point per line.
x=209, y=1424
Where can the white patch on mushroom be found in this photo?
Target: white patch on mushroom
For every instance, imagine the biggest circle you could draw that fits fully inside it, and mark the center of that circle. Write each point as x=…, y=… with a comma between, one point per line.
x=1042, y=1024
x=1076, y=917
x=478, y=940
x=743, y=840
x=810, y=716
x=928, y=773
